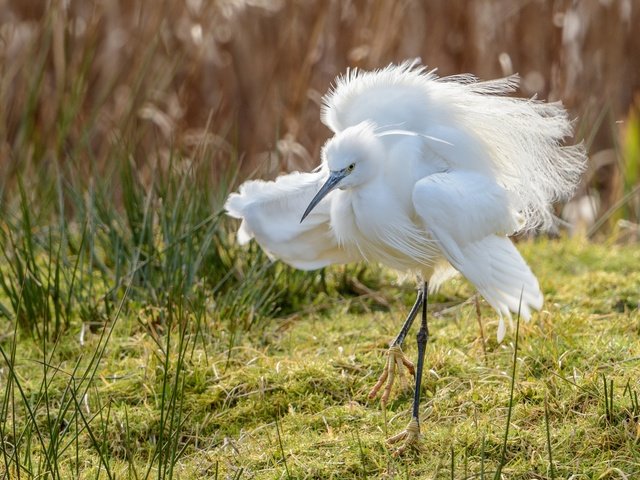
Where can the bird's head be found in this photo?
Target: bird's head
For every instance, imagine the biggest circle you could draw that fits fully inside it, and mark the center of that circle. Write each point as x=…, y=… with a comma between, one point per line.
x=352, y=158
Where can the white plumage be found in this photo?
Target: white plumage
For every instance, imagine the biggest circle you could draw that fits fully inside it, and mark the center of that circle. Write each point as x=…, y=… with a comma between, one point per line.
x=423, y=174
x=270, y=213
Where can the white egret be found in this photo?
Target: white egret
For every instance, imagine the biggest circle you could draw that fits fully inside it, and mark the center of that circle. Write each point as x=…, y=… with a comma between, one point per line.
x=426, y=175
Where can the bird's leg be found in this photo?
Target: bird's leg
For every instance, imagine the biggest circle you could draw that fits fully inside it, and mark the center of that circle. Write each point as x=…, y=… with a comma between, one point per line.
x=411, y=435
x=396, y=359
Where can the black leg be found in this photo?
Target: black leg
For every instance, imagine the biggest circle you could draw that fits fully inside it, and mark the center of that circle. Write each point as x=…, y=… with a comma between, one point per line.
x=411, y=434
x=409, y=321
x=423, y=338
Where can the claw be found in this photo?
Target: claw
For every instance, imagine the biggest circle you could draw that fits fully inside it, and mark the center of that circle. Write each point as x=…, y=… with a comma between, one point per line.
x=396, y=359
x=411, y=437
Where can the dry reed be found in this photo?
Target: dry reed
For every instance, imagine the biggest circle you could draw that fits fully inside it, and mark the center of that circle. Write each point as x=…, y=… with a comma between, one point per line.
x=246, y=76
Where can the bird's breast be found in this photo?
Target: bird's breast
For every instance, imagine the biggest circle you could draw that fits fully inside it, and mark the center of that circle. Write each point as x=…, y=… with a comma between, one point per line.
x=343, y=221
x=380, y=228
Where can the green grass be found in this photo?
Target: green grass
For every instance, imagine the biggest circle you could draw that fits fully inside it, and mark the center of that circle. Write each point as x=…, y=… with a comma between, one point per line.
x=315, y=376
x=169, y=387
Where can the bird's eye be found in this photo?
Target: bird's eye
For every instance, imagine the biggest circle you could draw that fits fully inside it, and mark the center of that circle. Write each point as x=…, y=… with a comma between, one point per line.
x=351, y=167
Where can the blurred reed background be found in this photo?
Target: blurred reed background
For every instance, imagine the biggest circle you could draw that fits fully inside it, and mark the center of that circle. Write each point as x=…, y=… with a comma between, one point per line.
x=243, y=79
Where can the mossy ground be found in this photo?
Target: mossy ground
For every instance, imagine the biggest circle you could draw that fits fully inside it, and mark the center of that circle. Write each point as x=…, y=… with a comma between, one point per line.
x=290, y=400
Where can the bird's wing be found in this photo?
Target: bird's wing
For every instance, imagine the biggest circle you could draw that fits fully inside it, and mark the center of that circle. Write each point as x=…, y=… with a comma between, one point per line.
x=271, y=212
x=469, y=216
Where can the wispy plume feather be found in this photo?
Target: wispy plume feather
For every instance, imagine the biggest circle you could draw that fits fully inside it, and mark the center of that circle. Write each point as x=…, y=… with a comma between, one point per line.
x=519, y=139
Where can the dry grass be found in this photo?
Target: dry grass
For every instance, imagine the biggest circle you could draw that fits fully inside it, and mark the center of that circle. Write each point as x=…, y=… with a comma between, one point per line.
x=247, y=76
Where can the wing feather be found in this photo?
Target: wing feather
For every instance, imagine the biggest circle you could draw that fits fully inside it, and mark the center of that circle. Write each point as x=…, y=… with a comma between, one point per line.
x=271, y=212
x=469, y=214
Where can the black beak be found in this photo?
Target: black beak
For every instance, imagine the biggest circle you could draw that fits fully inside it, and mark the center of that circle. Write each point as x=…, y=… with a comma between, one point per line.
x=331, y=183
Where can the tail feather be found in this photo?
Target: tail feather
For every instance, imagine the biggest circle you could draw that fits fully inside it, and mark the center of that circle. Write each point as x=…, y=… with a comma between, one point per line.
x=502, y=277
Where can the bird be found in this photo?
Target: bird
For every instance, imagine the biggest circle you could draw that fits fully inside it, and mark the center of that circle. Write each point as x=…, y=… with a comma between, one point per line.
x=429, y=176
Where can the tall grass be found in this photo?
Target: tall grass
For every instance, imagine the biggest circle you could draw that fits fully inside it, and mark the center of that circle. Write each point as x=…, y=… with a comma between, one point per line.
x=168, y=249
x=126, y=124
x=247, y=76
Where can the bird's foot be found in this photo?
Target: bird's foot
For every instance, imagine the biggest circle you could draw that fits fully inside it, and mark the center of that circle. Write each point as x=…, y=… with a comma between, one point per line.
x=410, y=438
x=396, y=360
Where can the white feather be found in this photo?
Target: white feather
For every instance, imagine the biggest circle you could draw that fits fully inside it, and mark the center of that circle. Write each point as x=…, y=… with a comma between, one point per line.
x=270, y=213
x=475, y=243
